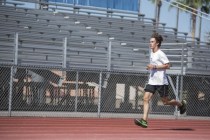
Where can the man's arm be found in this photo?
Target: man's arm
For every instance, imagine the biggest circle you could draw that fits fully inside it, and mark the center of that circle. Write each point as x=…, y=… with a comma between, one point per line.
x=164, y=66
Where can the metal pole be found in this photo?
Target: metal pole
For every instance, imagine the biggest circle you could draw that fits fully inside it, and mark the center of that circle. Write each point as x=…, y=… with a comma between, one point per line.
x=181, y=88
x=199, y=35
x=77, y=91
x=16, y=49
x=182, y=73
x=172, y=85
x=109, y=56
x=10, y=90
x=99, y=94
x=15, y=52
x=182, y=61
x=177, y=95
x=177, y=19
x=139, y=10
x=155, y=10
x=177, y=87
x=63, y=77
x=64, y=52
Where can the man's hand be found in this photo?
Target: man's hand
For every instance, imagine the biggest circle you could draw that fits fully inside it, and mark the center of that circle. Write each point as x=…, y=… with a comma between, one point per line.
x=150, y=66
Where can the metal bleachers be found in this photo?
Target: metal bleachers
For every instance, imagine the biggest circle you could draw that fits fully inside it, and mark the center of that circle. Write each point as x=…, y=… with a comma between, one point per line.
x=91, y=41
x=199, y=60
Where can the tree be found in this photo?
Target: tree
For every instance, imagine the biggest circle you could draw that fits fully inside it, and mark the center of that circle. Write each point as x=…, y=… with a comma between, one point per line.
x=205, y=8
x=195, y=5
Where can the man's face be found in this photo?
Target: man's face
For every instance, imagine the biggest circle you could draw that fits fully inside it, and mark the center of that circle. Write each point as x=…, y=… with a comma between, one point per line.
x=153, y=44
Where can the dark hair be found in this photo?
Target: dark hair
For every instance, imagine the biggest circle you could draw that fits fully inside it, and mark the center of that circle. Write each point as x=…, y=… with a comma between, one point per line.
x=158, y=38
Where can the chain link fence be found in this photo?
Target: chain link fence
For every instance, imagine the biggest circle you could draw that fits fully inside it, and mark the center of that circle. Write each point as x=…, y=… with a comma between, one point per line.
x=35, y=91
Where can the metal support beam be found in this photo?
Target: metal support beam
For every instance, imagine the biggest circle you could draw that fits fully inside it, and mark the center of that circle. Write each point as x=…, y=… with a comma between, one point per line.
x=63, y=77
x=199, y=32
x=99, y=95
x=109, y=56
x=10, y=90
x=177, y=96
x=156, y=13
x=175, y=90
x=77, y=91
x=177, y=20
x=139, y=3
x=181, y=88
x=182, y=60
x=177, y=87
x=64, y=52
x=182, y=73
x=172, y=85
x=16, y=49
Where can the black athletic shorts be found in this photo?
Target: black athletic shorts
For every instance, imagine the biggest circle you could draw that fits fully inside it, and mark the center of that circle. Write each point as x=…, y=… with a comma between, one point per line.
x=161, y=89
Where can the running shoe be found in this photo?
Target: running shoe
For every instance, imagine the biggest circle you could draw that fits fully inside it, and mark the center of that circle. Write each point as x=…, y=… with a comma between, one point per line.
x=141, y=122
x=183, y=107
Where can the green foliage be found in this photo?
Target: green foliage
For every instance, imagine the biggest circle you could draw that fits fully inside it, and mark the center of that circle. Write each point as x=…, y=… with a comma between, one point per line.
x=203, y=5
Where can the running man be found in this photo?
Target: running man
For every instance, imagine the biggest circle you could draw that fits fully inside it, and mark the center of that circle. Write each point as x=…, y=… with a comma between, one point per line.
x=157, y=80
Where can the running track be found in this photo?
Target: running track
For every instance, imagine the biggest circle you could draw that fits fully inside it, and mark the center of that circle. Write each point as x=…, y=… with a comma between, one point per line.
x=18, y=128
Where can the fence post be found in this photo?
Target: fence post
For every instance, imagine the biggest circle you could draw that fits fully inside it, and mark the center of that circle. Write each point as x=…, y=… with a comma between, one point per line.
x=99, y=95
x=77, y=91
x=16, y=49
x=177, y=96
x=10, y=90
x=12, y=70
x=182, y=73
x=109, y=57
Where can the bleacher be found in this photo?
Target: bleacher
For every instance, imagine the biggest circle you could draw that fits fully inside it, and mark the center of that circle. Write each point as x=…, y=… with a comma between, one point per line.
x=83, y=39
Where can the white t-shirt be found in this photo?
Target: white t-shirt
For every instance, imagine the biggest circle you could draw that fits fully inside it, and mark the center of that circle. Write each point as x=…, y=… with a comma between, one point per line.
x=158, y=76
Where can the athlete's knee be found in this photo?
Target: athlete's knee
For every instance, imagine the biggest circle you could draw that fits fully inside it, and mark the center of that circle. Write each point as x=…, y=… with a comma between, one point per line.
x=145, y=99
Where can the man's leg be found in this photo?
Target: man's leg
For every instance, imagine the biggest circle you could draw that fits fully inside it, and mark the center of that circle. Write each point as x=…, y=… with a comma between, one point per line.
x=147, y=98
x=173, y=102
x=163, y=91
x=143, y=122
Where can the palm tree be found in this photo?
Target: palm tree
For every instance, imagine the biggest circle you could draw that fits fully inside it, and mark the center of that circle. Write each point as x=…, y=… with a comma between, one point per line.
x=194, y=5
x=205, y=8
